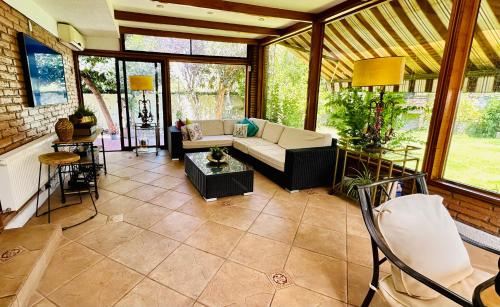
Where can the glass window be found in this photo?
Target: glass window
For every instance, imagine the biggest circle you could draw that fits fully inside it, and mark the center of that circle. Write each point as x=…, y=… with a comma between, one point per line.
x=412, y=29
x=201, y=47
x=207, y=91
x=136, y=42
x=286, y=78
x=474, y=152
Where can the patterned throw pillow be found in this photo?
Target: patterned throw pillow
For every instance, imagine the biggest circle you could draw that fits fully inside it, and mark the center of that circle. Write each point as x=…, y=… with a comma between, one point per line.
x=252, y=128
x=185, y=133
x=240, y=130
x=194, y=131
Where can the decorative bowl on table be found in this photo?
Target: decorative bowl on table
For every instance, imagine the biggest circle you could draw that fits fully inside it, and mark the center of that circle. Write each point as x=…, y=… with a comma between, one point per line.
x=223, y=159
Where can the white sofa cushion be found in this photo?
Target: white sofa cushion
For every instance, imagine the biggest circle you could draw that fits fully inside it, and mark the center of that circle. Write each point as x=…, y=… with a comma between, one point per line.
x=464, y=288
x=261, y=123
x=209, y=141
x=229, y=125
x=273, y=155
x=419, y=230
x=243, y=144
x=211, y=126
x=293, y=138
x=272, y=132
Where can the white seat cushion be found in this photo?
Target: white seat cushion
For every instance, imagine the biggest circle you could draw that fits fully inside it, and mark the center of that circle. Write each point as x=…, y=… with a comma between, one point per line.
x=419, y=230
x=293, y=138
x=261, y=123
x=272, y=155
x=272, y=132
x=465, y=288
x=243, y=144
x=229, y=125
x=209, y=141
x=211, y=126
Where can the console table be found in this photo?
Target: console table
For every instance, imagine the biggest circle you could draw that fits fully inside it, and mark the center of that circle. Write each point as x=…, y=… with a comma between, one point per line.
x=86, y=141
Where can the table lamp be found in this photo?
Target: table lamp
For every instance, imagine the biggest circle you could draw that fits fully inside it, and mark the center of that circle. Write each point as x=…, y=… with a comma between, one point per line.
x=143, y=83
x=378, y=72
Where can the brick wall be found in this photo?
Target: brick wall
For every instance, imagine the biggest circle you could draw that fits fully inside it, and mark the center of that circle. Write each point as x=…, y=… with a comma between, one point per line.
x=474, y=212
x=20, y=124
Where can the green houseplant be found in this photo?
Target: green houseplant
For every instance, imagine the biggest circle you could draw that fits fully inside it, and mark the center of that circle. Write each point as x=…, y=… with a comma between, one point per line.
x=83, y=115
x=218, y=152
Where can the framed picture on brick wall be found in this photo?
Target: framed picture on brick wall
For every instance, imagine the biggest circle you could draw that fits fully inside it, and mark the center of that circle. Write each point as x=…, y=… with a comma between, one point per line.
x=44, y=74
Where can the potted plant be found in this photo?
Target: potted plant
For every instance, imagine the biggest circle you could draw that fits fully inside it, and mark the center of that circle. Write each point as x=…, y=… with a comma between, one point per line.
x=83, y=115
x=217, y=153
x=179, y=123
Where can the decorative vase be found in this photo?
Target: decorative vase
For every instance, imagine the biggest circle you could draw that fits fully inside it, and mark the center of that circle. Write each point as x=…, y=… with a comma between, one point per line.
x=217, y=155
x=64, y=129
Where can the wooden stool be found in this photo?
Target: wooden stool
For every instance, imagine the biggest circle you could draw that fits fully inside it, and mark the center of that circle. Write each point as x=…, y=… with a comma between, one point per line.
x=59, y=160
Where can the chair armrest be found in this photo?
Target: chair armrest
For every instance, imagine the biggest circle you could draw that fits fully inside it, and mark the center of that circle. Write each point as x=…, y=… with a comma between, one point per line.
x=478, y=238
x=309, y=167
x=175, y=142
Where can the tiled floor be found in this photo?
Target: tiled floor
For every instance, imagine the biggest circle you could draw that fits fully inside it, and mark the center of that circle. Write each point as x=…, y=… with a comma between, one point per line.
x=155, y=242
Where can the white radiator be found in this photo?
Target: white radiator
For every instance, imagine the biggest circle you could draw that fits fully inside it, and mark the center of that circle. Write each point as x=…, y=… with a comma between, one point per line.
x=19, y=172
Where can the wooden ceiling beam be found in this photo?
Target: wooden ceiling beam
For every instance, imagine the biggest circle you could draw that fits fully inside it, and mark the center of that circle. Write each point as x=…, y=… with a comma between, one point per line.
x=346, y=8
x=244, y=8
x=193, y=23
x=161, y=33
x=285, y=33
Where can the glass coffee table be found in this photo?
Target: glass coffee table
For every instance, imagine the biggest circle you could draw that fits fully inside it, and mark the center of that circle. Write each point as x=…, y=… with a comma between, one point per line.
x=218, y=180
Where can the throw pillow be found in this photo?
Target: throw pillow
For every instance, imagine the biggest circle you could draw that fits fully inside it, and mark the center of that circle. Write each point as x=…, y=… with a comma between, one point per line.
x=194, y=131
x=188, y=121
x=185, y=133
x=240, y=130
x=252, y=127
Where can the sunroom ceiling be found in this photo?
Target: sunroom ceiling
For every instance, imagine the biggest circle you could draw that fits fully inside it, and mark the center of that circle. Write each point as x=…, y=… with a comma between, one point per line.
x=414, y=29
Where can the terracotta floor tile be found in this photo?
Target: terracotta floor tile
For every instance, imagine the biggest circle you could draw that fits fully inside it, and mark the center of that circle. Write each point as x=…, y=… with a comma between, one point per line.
x=187, y=270
x=146, y=177
x=296, y=296
x=186, y=187
x=215, y=238
x=260, y=253
x=171, y=199
x=322, y=240
x=167, y=182
x=150, y=293
x=45, y=303
x=109, y=236
x=359, y=251
x=144, y=252
x=123, y=186
x=300, y=196
x=119, y=205
x=234, y=217
x=66, y=263
x=356, y=226
x=178, y=226
x=319, y=273
x=146, y=192
x=87, y=227
x=200, y=208
x=329, y=219
x=285, y=208
x=108, y=179
x=145, y=165
x=102, y=285
x=236, y=285
x=275, y=228
x=146, y=215
x=358, y=279
x=253, y=202
x=328, y=202
x=126, y=172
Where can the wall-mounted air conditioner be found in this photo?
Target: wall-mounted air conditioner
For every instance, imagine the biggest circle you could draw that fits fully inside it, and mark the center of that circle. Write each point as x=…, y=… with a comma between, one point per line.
x=70, y=37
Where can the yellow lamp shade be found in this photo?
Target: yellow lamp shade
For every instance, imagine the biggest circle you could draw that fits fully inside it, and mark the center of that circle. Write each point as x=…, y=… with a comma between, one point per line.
x=141, y=83
x=379, y=71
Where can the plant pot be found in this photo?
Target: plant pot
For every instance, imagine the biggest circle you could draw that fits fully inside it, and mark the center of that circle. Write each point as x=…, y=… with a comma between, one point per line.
x=64, y=129
x=217, y=155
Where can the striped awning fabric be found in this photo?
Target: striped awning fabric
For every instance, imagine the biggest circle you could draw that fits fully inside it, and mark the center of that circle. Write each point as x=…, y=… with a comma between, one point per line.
x=415, y=29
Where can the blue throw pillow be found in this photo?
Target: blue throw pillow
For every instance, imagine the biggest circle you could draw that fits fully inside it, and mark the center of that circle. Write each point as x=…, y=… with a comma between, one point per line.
x=252, y=128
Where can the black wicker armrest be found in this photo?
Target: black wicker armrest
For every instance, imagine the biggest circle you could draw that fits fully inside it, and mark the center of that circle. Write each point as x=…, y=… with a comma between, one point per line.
x=175, y=143
x=309, y=167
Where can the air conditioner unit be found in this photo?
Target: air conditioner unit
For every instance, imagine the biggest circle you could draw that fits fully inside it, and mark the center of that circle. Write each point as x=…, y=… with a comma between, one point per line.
x=70, y=37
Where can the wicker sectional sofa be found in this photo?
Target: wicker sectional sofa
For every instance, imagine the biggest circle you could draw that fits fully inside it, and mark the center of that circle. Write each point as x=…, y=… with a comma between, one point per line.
x=294, y=158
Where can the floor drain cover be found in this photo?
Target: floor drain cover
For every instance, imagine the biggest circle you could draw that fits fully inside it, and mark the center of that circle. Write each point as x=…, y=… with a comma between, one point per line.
x=280, y=279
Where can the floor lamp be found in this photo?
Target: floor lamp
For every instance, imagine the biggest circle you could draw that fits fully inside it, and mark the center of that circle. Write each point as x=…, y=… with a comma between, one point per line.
x=378, y=72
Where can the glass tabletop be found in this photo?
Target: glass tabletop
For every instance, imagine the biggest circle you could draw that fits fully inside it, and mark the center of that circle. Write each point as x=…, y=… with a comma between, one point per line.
x=209, y=168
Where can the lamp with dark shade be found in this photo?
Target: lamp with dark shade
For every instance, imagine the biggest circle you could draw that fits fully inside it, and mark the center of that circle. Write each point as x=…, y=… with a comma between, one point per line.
x=378, y=72
x=143, y=83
